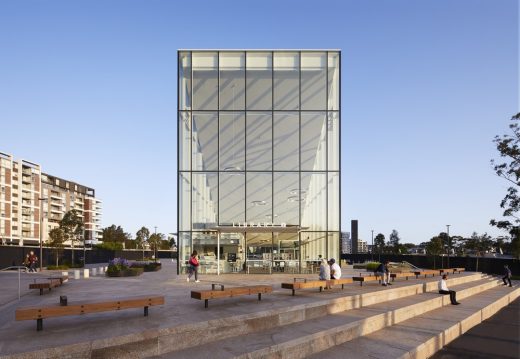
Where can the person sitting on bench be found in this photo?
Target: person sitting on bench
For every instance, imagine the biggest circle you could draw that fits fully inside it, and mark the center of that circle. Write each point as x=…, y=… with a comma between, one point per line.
x=324, y=270
x=383, y=272
x=443, y=289
x=335, y=269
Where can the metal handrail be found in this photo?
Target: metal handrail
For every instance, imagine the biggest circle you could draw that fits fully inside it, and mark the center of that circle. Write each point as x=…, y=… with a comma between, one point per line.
x=411, y=265
x=14, y=267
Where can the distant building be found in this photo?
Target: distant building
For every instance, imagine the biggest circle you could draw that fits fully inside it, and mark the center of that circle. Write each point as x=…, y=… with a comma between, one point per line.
x=346, y=243
x=362, y=246
x=25, y=190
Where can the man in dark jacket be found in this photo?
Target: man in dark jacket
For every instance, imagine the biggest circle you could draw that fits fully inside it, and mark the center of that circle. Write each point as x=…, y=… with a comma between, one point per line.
x=507, y=275
x=383, y=272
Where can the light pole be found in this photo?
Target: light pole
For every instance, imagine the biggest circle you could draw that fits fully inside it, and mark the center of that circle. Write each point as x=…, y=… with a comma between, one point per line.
x=372, y=250
x=449, y=243
x=155, y=245
x=41, y=231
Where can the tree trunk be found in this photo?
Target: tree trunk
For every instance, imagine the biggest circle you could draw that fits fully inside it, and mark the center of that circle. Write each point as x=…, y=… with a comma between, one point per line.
x=72, y=241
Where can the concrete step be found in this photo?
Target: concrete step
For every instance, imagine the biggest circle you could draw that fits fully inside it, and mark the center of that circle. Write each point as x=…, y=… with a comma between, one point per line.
x=425, y=334
x=305, y=337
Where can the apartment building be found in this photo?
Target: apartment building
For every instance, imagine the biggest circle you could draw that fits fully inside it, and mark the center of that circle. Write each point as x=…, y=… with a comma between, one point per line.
x=25, y=191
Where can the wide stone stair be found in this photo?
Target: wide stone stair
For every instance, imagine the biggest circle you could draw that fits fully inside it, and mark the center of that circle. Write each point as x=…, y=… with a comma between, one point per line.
x=406, y=321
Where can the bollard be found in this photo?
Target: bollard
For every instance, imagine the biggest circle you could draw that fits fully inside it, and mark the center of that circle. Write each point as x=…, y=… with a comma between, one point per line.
x=106, y=268
x=85, y=273
x=76, y=274
x=66, y=276
x=93, y=272
x=101, y=270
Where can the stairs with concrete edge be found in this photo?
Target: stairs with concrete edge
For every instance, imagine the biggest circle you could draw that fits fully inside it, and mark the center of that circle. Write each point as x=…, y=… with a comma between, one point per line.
x=305, y=337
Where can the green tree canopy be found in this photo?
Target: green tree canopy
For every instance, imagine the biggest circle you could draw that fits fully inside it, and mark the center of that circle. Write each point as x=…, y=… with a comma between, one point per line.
x=393, y=242
x=114, y=234
x=379, y=242
x=72, y=226
x=57, y=242
x=142, y=236
x=508, y=168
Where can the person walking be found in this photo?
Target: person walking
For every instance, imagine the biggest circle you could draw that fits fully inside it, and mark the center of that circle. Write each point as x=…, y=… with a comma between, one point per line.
x=443, y=289
x=324, y=270
x=32, y=261
x=335, y=269
x=193, y=267
x=507, y=275
x=383, y=272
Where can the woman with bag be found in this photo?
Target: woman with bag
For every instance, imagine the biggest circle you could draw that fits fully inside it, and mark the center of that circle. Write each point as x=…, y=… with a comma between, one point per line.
x=193, y=267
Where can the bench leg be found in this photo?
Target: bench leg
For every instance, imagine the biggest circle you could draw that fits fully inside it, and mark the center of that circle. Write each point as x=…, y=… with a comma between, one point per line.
x=145, y=311
x=321, y=288
x=342, y=286
x=41, y=291
x=361, y=283
x=39, y=324
x=206, y=303
x=293, y=292
x=259, y=296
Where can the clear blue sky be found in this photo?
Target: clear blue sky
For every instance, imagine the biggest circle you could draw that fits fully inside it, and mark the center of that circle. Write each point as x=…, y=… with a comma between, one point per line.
x=88, y=90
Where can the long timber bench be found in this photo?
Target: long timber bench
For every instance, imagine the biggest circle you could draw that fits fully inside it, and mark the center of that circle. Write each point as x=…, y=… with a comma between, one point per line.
x=426, y=273
x=451, y=270
x=406, y=275
x=223, y=292
x=44, y=312
x=303, y=283
x=47, y=283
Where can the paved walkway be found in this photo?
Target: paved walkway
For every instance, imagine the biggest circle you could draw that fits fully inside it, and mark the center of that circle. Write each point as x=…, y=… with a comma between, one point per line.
x=497, y=337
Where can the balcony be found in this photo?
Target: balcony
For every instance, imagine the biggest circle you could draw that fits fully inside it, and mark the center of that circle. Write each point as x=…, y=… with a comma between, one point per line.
x=55, y=195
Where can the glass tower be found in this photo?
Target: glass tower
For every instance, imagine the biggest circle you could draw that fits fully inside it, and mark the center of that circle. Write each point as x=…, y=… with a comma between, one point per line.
x=258, y=145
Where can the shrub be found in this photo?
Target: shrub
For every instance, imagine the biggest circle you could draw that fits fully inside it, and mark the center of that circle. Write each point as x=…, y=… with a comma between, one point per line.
x=62, y=267
x=372, y=266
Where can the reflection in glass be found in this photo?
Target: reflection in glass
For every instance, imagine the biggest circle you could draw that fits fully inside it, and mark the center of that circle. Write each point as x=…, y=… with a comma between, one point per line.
x=205, y=80
x=314, y=245
x=184, y=202
x=259, y=251
x=286, y=141
x=184, y=141
x=315, y=186
x=333, y=141
x=232, y=141
x=333, y=203
x=259, y=141
x=184, y=249
x=184, y=81
x=232, y=81
x=204, y=141
x=286, y=81
x=204, y=200
x=287, y=197
x=259, y=80
x=313, y=137
x=333, y=245
x=231, y=198
x=333, y=85
x=314, y=81
x=259, y=197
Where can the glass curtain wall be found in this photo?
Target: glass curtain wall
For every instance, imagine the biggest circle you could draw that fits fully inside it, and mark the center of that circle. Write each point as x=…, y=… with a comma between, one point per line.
x=259, y=142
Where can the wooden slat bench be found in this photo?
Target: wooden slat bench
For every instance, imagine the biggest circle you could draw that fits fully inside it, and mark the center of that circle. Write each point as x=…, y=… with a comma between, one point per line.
x=43, y=312
x=303, y=283
x=401, y=275
x=223, y=292
x=48, y=284
x=451, y=270
x=426, y=273
x=366, y=278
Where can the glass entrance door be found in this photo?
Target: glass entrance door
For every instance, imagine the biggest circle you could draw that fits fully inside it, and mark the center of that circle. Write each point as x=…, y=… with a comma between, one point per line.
x=259, y=253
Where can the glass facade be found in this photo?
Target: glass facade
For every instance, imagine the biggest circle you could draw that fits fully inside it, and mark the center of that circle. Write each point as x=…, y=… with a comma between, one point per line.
x=259, y=142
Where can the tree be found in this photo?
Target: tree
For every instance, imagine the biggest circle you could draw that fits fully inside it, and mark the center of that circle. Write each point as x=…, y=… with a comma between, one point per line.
x=479, y=243
x=141, y=237
x=155, y=241
x=393, y=242
x=57, y=242
x=509, y=148
x=434, y=248
x=114, y=234
x=72, y=226
x=379, y=242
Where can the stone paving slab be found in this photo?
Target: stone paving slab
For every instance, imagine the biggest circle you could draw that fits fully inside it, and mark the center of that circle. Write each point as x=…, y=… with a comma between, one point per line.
x=179, y=309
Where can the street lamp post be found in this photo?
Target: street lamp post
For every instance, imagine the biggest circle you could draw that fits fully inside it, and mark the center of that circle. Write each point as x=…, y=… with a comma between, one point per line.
x=155, y=246
x=449, y=243
x=372, y=250
x=41, y=231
